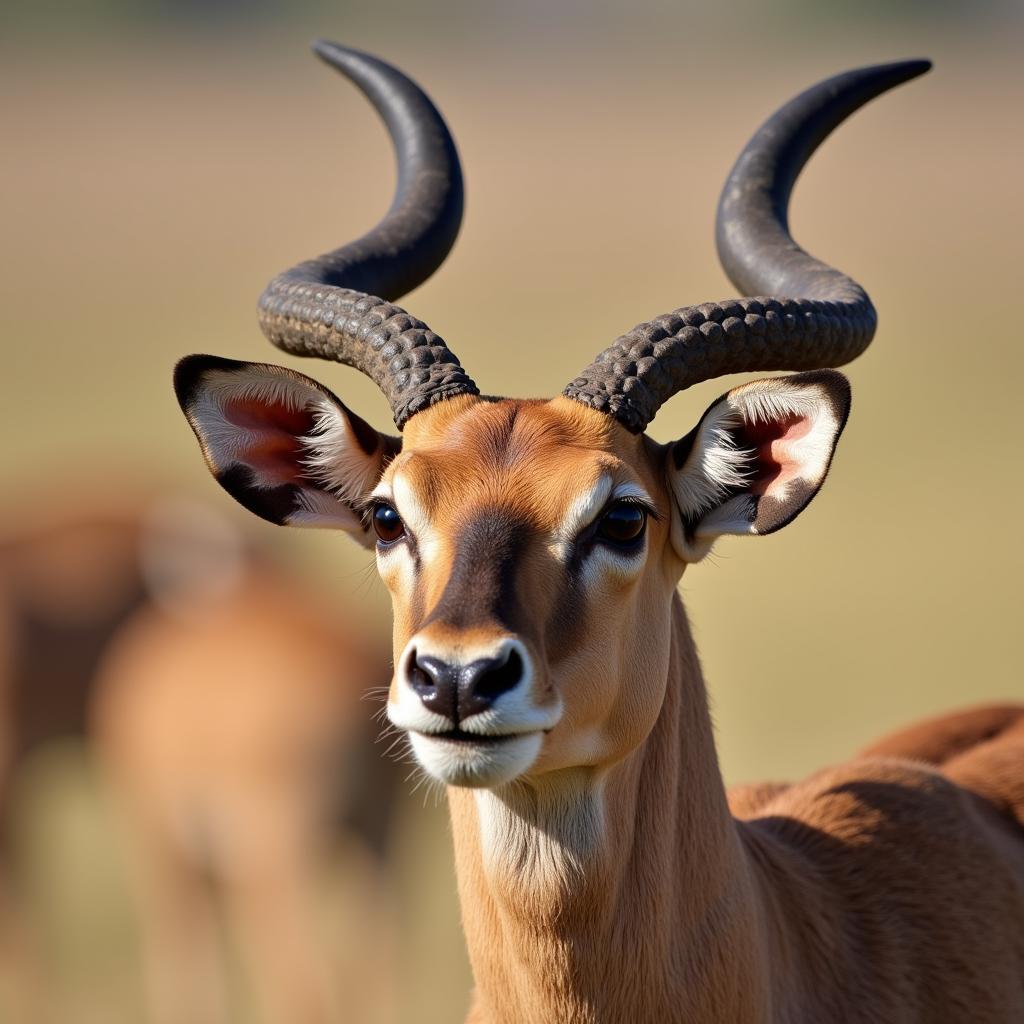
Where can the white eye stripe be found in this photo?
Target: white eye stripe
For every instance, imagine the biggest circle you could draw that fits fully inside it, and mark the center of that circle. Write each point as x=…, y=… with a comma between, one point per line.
x=584, y=509
x=605, y=563
x=402, y=497
x=587, y=507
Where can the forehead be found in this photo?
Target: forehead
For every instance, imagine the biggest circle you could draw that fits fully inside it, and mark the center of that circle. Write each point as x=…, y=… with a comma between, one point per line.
x=529, y=456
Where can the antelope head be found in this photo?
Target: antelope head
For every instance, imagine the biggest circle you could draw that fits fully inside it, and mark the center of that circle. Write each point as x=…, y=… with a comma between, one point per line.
x=532, y=548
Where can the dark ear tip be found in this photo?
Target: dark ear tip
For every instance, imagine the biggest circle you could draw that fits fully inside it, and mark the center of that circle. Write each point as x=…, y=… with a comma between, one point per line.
x=189, y=370
x=835, y=381
x=836, y=386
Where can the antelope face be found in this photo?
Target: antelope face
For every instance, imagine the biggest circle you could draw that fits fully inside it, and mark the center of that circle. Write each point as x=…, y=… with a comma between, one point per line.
x=531, y=548
x=523, y=544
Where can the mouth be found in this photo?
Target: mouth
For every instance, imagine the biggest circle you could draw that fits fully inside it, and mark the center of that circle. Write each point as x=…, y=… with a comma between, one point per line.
x=459, y=758
x=478, y=739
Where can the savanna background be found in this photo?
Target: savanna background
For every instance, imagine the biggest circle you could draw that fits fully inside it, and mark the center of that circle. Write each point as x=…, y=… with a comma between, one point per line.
x=161, y=160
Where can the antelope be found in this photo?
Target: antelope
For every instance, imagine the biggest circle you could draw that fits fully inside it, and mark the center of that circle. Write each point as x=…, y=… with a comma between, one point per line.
x=66, y=584
x=227, y=726
x=165, y=638
x=544, y=670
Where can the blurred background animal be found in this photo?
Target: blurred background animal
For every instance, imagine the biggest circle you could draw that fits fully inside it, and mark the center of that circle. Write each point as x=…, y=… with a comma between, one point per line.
x=67, y=583
x=160, y=637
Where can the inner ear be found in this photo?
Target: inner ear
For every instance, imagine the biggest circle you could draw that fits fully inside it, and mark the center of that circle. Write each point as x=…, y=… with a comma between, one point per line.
x=776, y=459
x=757, y=457
x=282, y=444
x=271, y=437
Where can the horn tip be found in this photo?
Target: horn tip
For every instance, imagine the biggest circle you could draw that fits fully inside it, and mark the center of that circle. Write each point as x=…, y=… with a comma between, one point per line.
x=335, y=54
x=321, y=46
x=905, y=70
x=918, y=66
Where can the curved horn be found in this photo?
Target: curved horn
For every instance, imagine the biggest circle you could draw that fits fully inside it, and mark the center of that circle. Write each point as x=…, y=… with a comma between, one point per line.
x=819, y=318
x=338, y=306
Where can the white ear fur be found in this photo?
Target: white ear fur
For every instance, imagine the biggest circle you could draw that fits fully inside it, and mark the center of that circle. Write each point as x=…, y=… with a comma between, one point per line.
x=756, y=458
x=280, y=443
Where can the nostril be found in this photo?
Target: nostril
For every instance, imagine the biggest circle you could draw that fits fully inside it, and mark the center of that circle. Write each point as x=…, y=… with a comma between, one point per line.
x=419, y=678
x=497, y=679
x=434, y=682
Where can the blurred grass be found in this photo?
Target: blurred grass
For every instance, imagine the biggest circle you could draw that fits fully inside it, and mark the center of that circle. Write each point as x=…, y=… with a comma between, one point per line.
x=153, y=182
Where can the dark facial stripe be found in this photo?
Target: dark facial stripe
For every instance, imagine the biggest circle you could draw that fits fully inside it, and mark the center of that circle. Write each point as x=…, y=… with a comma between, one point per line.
x=482, y=585
x=568, y=617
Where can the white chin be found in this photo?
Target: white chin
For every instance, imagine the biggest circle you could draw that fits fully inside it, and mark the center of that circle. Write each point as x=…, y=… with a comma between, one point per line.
x=476, y=765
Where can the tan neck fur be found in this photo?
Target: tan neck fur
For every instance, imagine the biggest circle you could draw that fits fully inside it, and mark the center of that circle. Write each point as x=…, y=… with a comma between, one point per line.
x=612, y=898
x=634, y=895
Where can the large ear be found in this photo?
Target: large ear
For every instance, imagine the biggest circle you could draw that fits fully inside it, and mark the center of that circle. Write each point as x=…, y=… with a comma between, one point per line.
x=280, y=443
x=756, y=459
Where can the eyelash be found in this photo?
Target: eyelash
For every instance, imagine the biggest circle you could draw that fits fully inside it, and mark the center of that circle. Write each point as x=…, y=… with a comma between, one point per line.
x=632, y=499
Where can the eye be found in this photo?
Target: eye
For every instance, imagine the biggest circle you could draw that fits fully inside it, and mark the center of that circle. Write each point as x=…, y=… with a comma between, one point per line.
x=387, y=523
x=623, y=524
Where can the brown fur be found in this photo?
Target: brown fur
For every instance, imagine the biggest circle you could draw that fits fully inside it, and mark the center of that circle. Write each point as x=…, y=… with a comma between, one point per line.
x=65, y=585
x=613, y=884
x=609, y=881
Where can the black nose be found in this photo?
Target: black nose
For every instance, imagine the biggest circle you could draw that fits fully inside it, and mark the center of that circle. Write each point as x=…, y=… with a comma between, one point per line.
x=458, y=691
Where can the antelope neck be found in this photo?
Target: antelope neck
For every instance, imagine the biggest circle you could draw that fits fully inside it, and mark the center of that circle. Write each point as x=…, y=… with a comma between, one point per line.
x=622, y=898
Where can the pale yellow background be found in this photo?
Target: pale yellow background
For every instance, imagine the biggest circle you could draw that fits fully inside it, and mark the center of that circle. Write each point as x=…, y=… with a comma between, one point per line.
x=155, y=174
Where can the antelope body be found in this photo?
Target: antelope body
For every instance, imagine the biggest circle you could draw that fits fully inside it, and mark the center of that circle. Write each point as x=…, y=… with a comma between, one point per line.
x=544, y=670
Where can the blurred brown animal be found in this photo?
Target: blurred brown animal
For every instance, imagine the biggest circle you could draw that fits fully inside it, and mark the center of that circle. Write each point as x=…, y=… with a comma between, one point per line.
x=232, y=735
x=160, y=636
x=66, y=583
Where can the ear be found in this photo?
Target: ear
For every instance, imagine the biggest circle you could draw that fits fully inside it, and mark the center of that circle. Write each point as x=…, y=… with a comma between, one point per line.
x=280, y=443
x=756, y=459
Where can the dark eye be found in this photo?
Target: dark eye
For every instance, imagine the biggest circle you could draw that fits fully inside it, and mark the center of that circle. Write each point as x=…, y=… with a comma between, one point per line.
x=622, y=524
x=387, y=523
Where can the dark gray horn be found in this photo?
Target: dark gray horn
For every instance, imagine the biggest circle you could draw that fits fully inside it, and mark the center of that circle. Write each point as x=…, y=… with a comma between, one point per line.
x=806, y=315
x=339, y=306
